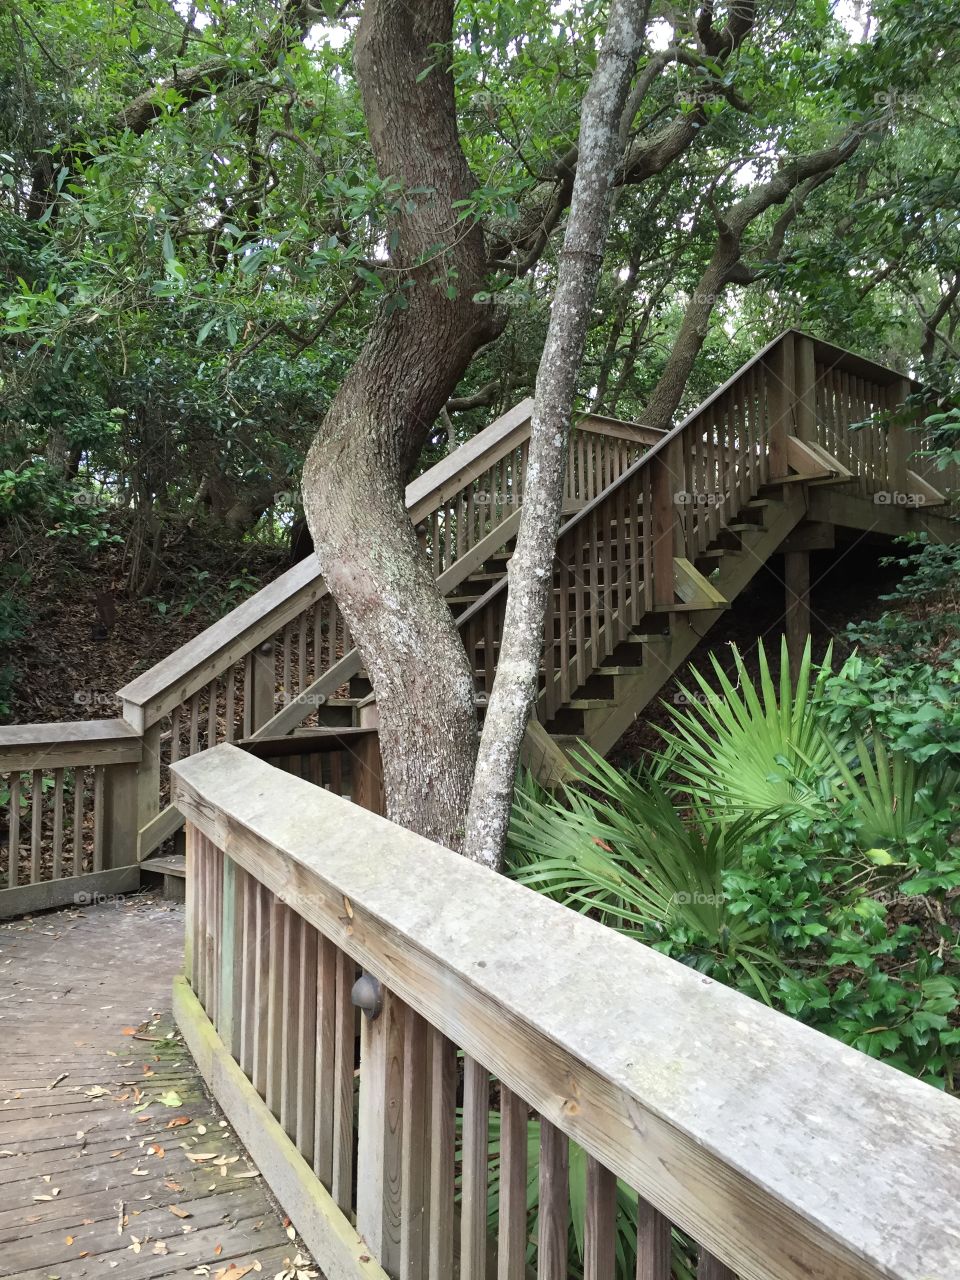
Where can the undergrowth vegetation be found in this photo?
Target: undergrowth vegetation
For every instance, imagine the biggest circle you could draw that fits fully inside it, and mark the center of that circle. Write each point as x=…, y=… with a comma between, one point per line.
x=796, y=840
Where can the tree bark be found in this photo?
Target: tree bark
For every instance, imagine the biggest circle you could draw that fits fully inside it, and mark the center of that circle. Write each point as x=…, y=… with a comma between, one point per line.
x=361, y=458
x=531, y=568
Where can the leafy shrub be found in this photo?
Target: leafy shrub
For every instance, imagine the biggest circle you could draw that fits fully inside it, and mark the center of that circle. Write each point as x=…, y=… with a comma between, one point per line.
x=790, y=843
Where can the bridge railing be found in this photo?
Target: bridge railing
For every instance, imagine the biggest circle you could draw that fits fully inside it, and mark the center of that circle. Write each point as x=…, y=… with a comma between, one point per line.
x=506, y=1041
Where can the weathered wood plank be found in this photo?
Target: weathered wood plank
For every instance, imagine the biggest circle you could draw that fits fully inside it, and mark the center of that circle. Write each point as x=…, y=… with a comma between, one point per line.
x=443, y=1125
x=553, y=1204
x=380, y=1130
x=473, y=1205
x=79, y=890
x=66, y=744
x=654, y=1244
x=343, y=1095
x=512, y=1227
x=415, y=1154
x=599, y=1251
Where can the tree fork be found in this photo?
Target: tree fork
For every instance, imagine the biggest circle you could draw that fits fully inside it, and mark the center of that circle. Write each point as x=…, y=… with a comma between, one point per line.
x=363, y=453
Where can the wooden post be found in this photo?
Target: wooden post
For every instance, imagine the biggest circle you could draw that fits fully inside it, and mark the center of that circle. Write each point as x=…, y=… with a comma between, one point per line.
x=797, y=612
x=380, y=1132
x=367, y=786
x=899, y=442
x=263, y=679
x=781, y=385
x=667, y=494
x=806, y=388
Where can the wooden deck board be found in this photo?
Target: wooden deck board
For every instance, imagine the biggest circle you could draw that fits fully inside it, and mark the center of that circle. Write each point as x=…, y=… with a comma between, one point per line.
x=74, y=984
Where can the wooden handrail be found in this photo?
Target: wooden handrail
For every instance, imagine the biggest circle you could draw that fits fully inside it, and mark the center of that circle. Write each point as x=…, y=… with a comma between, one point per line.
x=784, y=1153
x=64, y=743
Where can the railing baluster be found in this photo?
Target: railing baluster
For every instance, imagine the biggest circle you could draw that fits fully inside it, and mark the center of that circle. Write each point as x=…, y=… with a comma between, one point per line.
x=473, y=1208
x=512, y=1228
x=710, y=1268
x=415, y=1150
x=341, y=1187
x=276, y=1013
x=248, y=976
x=325, y=1020
x=599, y=1228
x=443, y=1134
x=654, y=1243
x=289, y=1025
x=563, y=649
x=261, y=975
x=98, y=816
x=379, y=1150
x=553, y=1208
x=57, y=866
x=36, y=824
x=13, y=837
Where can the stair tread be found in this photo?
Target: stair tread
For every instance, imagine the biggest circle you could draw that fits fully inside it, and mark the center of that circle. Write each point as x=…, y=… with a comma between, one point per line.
x=174, y=864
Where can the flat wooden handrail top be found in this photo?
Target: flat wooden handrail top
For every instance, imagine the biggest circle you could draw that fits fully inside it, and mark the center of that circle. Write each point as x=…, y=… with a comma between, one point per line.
x=64, y=743
x=784, y=1152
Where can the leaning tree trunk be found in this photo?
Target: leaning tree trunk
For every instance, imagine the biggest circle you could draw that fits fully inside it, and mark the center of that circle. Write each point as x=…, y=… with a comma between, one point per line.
x=362, y=456
x=531, y=567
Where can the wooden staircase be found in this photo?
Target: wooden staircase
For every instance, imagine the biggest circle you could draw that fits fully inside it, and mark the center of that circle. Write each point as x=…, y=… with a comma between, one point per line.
x=662, y=531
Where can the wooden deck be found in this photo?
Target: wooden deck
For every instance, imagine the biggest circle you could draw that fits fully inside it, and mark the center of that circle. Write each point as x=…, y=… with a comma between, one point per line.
x=113, y=1159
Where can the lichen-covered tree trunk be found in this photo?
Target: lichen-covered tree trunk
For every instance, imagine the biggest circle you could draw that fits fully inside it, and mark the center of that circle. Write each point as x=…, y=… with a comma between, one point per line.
x=362, y=456
x=531, y=568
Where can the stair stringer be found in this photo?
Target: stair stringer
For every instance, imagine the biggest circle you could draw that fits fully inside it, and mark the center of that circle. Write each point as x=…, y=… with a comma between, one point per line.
x=661, y=660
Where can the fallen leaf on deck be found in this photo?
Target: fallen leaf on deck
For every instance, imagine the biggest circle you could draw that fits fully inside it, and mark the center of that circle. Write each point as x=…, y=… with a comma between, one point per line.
x=129, y=1031
x=178, y=1212
x=157, y=1150
x=170, y=1099
x=233, y=1272
x=177, y=1120
x=69, y=1239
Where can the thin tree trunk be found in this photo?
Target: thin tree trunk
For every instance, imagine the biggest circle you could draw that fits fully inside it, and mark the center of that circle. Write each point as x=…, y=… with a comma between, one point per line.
x=531, y=568
x=362, y=456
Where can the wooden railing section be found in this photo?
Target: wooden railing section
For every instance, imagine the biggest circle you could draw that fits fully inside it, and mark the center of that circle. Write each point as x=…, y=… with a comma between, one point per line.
x=510, y=1036
x=68, y=809
x=617, y=556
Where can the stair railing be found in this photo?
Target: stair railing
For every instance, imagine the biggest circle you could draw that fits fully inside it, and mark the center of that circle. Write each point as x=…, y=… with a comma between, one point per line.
x=616, y=557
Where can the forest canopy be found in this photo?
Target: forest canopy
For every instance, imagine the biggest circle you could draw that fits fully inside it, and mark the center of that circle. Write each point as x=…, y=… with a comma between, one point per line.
x=195, y=236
